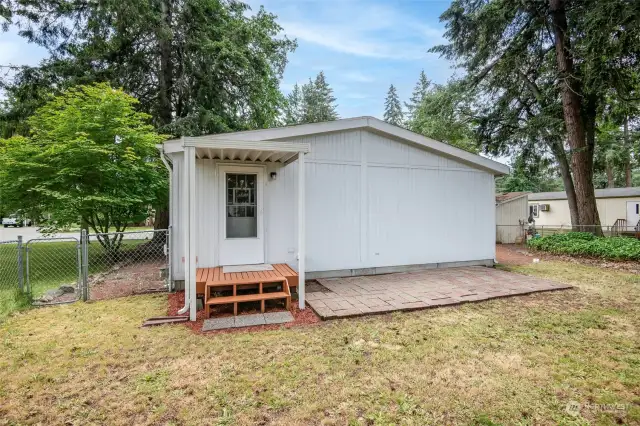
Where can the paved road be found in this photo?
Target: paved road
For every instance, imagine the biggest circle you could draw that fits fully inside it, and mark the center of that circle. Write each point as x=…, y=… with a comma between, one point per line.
x=29, y=232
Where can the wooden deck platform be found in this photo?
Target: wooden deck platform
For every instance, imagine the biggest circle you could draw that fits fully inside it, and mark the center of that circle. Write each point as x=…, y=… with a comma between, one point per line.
x=256, y=286
x=204, y=275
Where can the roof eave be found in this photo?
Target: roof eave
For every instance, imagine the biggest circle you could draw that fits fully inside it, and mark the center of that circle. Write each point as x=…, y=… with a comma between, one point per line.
x=370, y=123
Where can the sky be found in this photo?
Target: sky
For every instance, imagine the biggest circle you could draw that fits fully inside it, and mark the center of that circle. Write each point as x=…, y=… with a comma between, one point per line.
x=362, y=47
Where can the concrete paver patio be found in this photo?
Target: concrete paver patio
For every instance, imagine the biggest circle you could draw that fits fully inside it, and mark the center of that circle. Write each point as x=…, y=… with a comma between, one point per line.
x=353, y=296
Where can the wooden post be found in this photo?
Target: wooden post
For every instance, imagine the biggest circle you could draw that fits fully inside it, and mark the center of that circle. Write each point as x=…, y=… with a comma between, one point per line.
x=189, y=219
x=301, y=229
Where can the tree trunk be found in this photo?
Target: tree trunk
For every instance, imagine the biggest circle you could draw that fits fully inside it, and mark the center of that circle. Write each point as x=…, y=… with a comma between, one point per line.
x=560, y=155
x=610, y=180
x=165, y=94
x=165, y=76
x=627, y=146
x=581, y=151
x=161, y=220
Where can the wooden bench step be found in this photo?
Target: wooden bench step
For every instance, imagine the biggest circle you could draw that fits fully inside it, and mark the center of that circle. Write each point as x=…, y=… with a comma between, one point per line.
x=246, y=298
x=245, y=281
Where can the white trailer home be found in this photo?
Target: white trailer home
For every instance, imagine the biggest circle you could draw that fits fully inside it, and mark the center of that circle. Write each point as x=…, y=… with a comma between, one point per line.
x=512, y=211
x=348, y=197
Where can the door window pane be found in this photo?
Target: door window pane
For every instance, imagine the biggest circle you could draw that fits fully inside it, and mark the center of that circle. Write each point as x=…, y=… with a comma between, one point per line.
x=242, y=221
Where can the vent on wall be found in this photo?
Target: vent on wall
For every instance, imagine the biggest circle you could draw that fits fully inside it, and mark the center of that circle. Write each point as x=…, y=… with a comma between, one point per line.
x=545, y=207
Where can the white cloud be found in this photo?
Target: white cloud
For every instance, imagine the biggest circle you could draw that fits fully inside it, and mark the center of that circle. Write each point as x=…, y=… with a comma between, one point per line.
x=337, y=38
x=361, y=29
x=356, y=95
x=358, y=76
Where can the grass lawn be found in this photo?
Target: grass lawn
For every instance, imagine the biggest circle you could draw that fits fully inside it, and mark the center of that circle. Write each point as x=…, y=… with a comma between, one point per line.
x=518, y=360
x=51, y=264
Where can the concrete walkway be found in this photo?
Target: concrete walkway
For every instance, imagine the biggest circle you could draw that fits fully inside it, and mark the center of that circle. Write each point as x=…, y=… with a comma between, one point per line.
x=353, y=296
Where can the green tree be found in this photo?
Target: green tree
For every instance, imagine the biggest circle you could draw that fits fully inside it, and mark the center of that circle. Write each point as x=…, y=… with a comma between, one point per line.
x=91, y=157
x=577, y=51
x=196, y=66
x=312, y=103
x=443, y=115
x=293, y=112
x=392, y=108
x=323, y=107
x=419, y=92
x=531, y=171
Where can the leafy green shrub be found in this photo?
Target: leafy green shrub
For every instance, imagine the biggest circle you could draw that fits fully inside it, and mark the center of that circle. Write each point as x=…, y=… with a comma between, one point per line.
x=586, y=244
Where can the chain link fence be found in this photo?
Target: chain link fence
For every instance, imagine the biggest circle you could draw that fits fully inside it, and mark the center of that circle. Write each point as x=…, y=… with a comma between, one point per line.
x=53, y=270
x=124, y=263
x=12, y=294
x=518, y=234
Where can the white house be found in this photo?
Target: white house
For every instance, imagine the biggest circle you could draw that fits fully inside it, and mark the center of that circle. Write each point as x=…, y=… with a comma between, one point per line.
x=348, y=197
x=615, y=205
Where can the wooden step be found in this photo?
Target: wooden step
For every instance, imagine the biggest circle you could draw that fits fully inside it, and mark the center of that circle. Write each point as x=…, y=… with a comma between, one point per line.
x=239, y=282
x=256, y=297
x=245, y=281
x=246, y=298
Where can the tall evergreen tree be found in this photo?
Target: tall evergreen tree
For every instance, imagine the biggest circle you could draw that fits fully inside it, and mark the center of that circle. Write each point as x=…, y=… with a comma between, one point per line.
x=443, y=115
x=312, y=103
x=392, y=108
x=419, y=92
x=293, y=106
x=325, y=108
x=531, y=59
x=309, y=103
x=196, y=66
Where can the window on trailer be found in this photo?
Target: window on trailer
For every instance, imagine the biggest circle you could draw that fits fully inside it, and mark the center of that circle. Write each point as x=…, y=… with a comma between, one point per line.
x=533, y=210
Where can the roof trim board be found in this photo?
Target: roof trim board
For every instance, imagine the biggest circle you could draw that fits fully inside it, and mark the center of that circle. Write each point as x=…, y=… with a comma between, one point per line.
x=368, y=123
x=600, y=193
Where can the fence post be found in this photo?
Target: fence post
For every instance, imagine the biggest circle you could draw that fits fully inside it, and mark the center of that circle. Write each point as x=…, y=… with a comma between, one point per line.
x=20, y=265
x=85, y=261
x=79, y=281
x=168, y=254
x=27, y=249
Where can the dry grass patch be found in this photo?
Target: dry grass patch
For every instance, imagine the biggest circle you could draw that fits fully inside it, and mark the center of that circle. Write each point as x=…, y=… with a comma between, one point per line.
x=515, y=360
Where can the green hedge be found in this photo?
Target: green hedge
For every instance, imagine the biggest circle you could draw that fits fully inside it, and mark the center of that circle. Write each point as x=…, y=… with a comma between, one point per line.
x=586, y=244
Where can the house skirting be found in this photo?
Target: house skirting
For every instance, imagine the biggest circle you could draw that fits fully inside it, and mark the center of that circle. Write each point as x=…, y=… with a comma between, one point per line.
x=393, y=269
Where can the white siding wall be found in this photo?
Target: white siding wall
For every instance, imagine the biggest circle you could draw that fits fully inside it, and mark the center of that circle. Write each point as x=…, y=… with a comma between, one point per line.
x=508, y=215
x=370, y=202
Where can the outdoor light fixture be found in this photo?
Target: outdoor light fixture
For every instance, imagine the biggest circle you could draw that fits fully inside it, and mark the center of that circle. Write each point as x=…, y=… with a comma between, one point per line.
x=273, y=175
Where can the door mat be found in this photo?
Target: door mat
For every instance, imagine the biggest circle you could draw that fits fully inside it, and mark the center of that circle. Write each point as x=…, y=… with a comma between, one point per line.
x=246, y=268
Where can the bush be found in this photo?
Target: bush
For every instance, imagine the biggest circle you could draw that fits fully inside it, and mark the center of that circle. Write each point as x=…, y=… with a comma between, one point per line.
x=586, y=244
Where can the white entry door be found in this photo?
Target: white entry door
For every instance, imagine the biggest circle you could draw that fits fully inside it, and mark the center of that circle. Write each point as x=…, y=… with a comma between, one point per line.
x=633, y=213
x=241, y=231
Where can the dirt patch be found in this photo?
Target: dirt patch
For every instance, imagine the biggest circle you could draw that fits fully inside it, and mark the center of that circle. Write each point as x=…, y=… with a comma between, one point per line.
x=127, y=280
x=514, y=254
x=300, y=318
x=120, y=281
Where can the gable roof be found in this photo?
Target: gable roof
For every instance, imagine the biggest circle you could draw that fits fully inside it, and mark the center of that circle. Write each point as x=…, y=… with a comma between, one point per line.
x=600, y=193
x=509, y=196
x=369, y=123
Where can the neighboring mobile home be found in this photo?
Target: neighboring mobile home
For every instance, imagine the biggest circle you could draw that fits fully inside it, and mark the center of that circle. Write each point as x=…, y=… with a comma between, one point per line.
x=348, y=197
x=512, y=212
x=614, y=204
